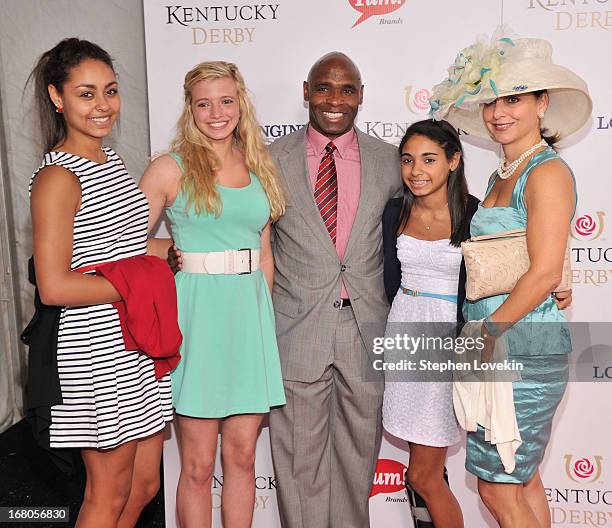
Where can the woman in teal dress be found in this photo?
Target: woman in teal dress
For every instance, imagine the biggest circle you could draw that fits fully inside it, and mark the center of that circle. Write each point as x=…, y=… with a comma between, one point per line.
x=219, y=189
x=511, y=92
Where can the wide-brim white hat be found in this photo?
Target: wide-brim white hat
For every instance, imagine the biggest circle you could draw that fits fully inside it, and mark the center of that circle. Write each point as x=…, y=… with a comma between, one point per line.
x=483, y=72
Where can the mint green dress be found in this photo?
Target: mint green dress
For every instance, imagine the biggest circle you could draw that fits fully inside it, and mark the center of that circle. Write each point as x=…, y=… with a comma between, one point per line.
x=230, y=362
x=540, y=341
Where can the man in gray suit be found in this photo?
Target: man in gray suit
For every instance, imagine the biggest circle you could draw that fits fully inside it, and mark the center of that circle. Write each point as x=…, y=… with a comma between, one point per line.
x=329, y=301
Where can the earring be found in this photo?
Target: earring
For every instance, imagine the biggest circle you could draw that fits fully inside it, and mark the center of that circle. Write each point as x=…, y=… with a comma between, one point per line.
x=58, y=109
x=541, y=115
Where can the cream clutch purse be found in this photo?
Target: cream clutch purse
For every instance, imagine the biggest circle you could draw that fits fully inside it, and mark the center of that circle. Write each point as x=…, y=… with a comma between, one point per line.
x=494, y=263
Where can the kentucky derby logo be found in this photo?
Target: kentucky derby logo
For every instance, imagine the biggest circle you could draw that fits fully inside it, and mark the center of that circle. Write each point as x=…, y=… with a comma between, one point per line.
x=588, y=227
x=389, y=476
x=417, y=102
x=369, y=8
x=583, y=469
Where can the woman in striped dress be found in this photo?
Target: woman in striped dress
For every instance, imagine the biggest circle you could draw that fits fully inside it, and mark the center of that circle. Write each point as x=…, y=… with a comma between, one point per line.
x=87, y=210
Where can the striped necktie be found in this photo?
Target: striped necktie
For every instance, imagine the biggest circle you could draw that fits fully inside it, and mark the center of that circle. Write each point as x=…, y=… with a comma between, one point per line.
x=326, y=190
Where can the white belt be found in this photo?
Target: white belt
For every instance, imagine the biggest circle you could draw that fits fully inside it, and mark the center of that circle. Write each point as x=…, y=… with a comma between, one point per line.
x=229, y=262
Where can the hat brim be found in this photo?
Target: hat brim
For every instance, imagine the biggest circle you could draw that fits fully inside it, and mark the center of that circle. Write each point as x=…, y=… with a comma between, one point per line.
x=569, y=106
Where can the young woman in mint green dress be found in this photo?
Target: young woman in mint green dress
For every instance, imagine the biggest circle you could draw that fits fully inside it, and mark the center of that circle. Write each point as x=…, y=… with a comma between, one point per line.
x=513, y=93
x=218, y=187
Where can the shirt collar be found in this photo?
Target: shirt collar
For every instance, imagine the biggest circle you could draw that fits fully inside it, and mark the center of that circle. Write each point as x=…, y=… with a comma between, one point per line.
x=318, y=141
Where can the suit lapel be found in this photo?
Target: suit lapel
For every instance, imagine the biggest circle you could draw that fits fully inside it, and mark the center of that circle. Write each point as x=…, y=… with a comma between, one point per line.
x=295, y=169
x=366, y=191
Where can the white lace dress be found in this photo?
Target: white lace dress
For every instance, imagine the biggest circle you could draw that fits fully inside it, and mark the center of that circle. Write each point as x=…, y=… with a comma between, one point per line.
x=414, y=410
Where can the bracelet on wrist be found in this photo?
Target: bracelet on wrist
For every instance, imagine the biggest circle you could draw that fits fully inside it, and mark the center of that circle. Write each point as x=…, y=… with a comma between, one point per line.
x=491, y=328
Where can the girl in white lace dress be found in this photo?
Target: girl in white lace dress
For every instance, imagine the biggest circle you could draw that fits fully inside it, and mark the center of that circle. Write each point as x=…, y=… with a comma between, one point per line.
x=422, y=235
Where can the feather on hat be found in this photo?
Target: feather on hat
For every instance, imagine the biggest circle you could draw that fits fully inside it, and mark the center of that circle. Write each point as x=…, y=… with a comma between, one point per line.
x=505, y=66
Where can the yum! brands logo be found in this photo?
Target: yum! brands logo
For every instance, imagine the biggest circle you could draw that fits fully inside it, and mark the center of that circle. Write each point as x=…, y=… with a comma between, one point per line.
x=416, y=101
x=583, y=470
x=369, y=8
x=389, y=476
x=588, y=226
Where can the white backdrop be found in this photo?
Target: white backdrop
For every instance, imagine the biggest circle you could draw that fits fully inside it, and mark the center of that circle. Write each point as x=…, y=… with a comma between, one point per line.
x=403, y=48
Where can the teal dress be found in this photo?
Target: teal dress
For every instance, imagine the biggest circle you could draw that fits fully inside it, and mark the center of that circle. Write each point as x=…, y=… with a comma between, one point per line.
x=230, y=362
x=540, y=341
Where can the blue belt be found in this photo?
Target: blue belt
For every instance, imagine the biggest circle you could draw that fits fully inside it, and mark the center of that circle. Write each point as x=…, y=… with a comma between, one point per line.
x=416, y=293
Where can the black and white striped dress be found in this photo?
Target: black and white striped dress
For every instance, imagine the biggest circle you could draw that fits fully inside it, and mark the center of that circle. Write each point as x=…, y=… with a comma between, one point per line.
x=110, y=395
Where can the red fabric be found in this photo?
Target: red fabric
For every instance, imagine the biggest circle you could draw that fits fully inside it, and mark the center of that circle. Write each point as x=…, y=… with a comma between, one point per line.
x=148, y=312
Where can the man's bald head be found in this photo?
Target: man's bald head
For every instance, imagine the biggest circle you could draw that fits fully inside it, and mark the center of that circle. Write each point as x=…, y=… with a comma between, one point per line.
x=335, y=57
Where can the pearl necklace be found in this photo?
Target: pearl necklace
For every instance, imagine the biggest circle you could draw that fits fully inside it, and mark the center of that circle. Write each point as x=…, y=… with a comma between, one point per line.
x=505, y=170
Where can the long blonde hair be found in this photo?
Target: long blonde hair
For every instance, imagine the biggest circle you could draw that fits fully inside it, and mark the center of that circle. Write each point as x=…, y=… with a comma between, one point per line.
x=200, y=163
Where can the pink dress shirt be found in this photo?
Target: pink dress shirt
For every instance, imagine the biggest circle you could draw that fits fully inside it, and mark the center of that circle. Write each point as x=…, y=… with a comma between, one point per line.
x=348, y=168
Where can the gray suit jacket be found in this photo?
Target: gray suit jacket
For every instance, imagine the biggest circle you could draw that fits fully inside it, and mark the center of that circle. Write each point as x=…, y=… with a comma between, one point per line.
x=308, y=272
